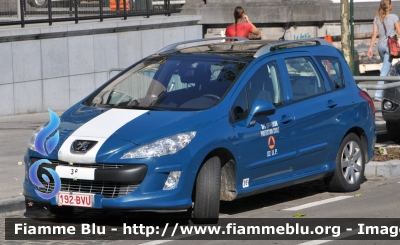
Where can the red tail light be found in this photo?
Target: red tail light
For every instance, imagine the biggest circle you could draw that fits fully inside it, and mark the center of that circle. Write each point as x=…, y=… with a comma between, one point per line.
x=366, y=96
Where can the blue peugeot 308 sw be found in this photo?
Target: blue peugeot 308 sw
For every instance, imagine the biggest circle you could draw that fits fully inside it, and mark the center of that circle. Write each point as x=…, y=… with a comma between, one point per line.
x=198, y=123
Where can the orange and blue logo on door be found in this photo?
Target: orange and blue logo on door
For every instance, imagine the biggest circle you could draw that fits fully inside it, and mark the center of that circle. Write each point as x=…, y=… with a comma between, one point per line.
x=271, y=142
x=271, y=145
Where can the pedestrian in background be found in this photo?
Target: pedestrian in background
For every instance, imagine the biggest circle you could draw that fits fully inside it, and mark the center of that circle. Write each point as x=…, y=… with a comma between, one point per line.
x=242, y=26
x=384, y=20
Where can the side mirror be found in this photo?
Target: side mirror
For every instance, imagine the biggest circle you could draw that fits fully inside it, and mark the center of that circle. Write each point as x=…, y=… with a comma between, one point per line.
x=259, y=108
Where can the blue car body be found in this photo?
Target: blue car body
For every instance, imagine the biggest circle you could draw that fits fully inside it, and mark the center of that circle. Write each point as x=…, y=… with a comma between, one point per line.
x=307, y=134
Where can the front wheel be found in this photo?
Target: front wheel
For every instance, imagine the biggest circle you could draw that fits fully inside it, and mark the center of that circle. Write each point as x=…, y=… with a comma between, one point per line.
x=350, y=165
x=207, y=192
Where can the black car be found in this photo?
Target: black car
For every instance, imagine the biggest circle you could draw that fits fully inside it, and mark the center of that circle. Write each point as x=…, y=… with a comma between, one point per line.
x=390, y=106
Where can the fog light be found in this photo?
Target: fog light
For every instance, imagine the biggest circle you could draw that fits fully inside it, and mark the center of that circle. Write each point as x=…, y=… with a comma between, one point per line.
x=387, y=105
x=172, y=180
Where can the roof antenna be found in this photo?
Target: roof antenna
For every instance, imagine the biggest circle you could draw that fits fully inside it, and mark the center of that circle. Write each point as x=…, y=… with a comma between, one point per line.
x=290, y=20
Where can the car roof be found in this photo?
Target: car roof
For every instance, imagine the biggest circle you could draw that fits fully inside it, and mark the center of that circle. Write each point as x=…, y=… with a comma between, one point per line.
x=240, y=48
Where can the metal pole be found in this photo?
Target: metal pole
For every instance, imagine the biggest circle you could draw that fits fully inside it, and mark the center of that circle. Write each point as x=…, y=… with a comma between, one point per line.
x=377, y=78
x=101, y=9
x=76, y=11
x=21, y=9
x=49, y=12
x=352, y=36
x=124, y=9
x=147, y=8
x=70, y=8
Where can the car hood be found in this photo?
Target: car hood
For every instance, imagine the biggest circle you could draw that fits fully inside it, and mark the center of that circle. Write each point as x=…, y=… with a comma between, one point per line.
x=135, y=126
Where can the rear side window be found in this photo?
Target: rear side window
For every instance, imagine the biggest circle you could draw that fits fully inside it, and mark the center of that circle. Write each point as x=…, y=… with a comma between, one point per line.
x=333, y=71
x=265, y=84
x=304, y=78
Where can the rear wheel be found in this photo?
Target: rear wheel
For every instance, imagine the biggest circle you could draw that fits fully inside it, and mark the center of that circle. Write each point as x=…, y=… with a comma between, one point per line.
x=207, y=193
x=393, y=129
x=350, y=165
x=60, y=210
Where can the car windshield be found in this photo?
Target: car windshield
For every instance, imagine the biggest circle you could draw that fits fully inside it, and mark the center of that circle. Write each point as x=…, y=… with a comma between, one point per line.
x=171, y=83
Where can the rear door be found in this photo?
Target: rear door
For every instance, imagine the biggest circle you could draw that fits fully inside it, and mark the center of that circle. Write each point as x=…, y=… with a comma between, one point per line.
x=316, y=108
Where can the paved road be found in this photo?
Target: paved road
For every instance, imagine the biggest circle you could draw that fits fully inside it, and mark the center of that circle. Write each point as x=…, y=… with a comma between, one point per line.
x=377, y=198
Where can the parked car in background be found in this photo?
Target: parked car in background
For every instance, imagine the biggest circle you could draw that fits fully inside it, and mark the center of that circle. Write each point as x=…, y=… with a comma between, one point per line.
x=44, y=3
x=194, y=124
x=390, y=106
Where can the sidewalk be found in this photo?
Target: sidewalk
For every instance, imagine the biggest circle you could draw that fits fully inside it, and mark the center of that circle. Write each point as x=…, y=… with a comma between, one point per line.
x=15, y=132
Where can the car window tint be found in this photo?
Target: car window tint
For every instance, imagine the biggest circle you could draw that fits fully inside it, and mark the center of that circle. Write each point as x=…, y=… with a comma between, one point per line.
x=176, y=84
x=304, y=78
x=126, y=90
x=265, y=85
x=173, y=83
x=333, y=70
x=240, y=108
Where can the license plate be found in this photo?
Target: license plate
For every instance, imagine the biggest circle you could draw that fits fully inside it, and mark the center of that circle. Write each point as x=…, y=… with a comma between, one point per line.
x=69, y=172
x=75, y=199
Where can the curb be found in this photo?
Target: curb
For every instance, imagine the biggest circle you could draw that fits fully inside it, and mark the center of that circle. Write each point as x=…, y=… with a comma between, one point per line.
x=12, y=204
x=389, y=169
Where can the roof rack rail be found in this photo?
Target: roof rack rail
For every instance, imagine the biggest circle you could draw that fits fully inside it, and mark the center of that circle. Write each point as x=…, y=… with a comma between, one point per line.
x=175, y=45
x=267, y=49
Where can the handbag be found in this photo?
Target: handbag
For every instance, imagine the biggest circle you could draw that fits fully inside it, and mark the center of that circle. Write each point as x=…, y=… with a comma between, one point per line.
x=393, y=44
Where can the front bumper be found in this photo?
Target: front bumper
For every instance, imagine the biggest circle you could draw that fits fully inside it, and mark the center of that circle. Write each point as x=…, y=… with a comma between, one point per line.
x=128, y=186
x=391, y=95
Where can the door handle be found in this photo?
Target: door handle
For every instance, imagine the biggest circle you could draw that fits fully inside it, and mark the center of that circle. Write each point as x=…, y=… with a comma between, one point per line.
x=285, y=119
x=331, y=104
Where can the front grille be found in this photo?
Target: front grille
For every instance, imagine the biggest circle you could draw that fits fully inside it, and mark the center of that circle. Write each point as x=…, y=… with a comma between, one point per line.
x=107, y=188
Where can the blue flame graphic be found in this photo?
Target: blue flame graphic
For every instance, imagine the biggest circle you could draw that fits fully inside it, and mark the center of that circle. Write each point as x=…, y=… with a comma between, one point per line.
x=46, y=140
x=43, y=138
x=35, y=180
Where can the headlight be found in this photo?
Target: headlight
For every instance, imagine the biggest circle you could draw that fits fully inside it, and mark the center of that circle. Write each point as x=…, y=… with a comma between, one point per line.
x=388, y=105
x=32, y=140
x=162, y=147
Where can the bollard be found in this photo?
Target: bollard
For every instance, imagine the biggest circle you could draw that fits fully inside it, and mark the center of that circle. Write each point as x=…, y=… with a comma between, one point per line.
x=18, y=9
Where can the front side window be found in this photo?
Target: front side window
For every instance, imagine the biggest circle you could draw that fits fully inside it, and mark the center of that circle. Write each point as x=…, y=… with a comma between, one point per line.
x=265, y=84
x=304, y=78
x=170, y=83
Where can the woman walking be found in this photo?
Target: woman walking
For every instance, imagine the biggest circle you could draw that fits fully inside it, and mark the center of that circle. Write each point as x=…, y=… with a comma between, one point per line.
x=385, y=24
x=242, y=26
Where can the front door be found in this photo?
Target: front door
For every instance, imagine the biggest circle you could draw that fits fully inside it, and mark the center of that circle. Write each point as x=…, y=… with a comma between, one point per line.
x=267, y=147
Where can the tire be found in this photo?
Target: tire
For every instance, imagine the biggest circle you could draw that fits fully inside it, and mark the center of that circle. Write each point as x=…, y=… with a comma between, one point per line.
x=350, y=166
x=393, y=129
x=207, y=193
x=60, y=210
x=38, y=3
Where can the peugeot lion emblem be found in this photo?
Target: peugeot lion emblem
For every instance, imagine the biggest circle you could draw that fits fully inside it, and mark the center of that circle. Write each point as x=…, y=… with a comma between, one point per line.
x=82, y=146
